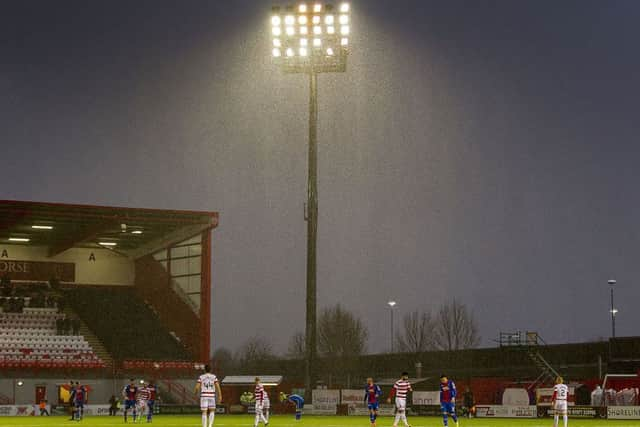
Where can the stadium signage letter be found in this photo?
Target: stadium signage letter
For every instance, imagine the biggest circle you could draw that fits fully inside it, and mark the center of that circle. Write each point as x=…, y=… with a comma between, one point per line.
x=38, y=271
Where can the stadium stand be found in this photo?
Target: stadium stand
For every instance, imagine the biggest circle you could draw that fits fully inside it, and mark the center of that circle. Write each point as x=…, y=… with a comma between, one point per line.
x=28, y=339
x=128, y=328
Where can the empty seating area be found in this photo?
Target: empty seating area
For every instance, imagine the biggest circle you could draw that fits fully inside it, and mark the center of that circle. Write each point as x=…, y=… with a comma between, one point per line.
x=125, y=324
x=28, y=340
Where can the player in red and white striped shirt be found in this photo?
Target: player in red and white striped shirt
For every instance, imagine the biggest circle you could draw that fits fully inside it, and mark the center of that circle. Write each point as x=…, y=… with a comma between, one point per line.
x=142, y=398
x=262, y=402
x=209, y=389
x=400, y=390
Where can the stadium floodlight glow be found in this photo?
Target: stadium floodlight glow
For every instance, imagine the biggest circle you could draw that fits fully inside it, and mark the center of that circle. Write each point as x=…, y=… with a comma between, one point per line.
x=136, y=232
x=275, y=21
x=20, y=383
x=19, y=239
x=42, y=227
x=391, y=303
x=108, y=244
x=614, y=311
x=315, y=42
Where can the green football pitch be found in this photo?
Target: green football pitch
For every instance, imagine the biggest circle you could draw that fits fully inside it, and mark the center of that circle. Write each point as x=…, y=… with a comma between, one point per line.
x=307, y=421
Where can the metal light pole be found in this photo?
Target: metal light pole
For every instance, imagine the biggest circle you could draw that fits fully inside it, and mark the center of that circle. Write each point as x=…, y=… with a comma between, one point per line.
x=391, y=305
x=311, y=39
x=613, y=310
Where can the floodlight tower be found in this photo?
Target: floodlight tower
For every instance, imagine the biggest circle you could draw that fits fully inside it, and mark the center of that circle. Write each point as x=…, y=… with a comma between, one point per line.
x=311, y=38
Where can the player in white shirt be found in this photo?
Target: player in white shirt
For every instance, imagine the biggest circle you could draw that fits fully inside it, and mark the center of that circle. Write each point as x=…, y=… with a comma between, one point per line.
x=262, y=404
x=209, y=388
x=400, y=390
x=559, y=402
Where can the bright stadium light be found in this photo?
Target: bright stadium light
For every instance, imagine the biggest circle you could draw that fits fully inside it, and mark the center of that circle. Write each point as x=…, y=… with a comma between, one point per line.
x=108, y=244
x=19, y=239
x=136, y=232
x=42, y=227
x=315, y=41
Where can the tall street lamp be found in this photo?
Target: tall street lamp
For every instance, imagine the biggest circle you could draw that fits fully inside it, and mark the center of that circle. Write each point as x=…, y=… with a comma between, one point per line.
x=613, y=310
x=391, y=304
x=311, y=38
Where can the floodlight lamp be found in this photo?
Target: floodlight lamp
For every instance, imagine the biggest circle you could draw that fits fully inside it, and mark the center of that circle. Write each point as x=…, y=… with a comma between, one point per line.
x=344, y=30
x=276, y=52
x=18, y=239
x=289, y=20
x=276, y=31
x=317, y=7
x=344, y=8
x=277, y=43
x=331, y=30
x=317, y=42
x=344, y=19
x=317, y=30
x=302, y=20
x=275, y=20
x=328, y=19
x=289, y=52
x=315, y=20
x=302, y=8
x=304, y=31
x=291, y=31
x=330, y=52
x=344, y=41
x=304, y=42
x=303, y=51
x=42, y=227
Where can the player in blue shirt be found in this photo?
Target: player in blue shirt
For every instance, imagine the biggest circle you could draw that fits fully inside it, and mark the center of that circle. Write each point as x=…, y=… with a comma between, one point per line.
x=372, y=393
x=129, y=395
x=448, y=395
x=299, y=402
x=80, y=397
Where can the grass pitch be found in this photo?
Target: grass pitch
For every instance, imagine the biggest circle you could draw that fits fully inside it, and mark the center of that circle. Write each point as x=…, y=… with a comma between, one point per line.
x=307, y=421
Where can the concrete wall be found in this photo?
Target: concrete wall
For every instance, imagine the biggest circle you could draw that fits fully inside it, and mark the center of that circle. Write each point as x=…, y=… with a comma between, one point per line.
x=105, y=267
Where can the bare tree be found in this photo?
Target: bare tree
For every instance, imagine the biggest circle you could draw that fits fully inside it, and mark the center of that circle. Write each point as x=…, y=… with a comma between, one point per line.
x=253, y=353
x=456, y=328
x=222, y=361
x=297, y=347
x=340, y=333
x=418, y=333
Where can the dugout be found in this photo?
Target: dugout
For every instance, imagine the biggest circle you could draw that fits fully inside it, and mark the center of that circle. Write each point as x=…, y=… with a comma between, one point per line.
x=117, y=270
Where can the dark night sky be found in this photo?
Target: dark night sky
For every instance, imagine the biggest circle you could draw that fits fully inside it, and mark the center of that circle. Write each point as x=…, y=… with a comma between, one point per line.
x=484, y=150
